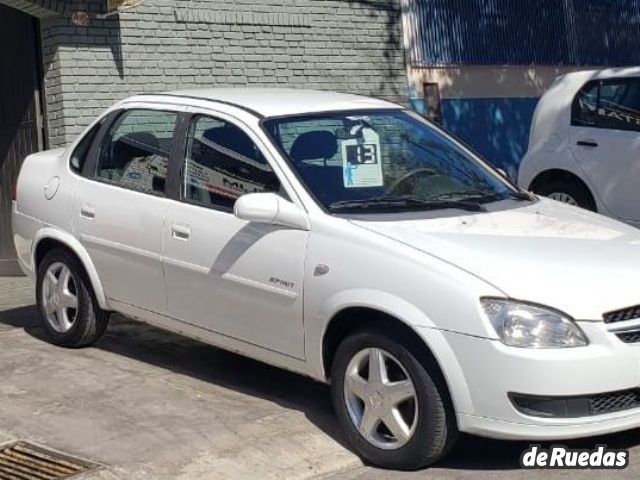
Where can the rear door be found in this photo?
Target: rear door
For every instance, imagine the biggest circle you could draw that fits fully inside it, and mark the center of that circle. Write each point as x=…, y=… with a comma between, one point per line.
x=120, y=208
x=605, y=139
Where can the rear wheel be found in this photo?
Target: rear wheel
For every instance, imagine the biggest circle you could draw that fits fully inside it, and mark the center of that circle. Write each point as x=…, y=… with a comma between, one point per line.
x=67, y=306
x=567, y=191
x=392, y=409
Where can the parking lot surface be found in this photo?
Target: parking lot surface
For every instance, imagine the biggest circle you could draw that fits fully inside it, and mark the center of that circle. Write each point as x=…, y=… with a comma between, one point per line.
x=149, y=404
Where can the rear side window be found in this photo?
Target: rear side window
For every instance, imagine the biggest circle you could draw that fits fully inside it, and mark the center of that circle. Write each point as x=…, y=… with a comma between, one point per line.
x=135, y=152
x=613, y=104
x=222, y=163
x=79, y=155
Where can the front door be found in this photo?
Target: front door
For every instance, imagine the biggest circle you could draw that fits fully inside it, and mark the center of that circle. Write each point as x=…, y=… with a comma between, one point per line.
x=605, y=139
x=121, y=208
x=238, y=279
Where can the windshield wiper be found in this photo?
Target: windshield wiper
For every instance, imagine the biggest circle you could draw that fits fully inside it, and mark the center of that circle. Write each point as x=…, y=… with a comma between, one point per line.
x=483, y=196
x=406, y=201
x=464, y=195
x=521, y=195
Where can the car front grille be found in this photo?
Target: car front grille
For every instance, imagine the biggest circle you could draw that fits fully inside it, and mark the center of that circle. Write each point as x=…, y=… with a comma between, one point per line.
x=578, y=406
x=622, y=315
x=614, y=402
x=629, y=331
x=629, y=337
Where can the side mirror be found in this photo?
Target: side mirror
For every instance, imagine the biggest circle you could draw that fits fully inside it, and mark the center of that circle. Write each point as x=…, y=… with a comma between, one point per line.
x=271, y=209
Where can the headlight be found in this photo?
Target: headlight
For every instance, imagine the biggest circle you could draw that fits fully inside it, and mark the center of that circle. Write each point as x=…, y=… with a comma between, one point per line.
x=529, y=326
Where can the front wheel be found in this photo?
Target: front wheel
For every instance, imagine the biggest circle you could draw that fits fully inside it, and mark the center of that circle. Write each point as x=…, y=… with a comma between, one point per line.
x=393, y=410
x=67, y=306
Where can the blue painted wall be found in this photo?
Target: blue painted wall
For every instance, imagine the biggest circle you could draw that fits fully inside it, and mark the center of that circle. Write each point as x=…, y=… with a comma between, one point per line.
x=524, y=32
x=496, y=128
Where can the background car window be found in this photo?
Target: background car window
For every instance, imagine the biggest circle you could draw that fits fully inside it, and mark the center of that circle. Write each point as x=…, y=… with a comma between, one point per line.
x=135, y=152
x=222, y=163
x=585, y=105
x=612, y=104
x=79, y=155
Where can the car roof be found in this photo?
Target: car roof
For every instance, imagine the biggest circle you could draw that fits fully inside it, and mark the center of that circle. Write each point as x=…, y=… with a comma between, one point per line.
x=274, y=102
x=622, y=72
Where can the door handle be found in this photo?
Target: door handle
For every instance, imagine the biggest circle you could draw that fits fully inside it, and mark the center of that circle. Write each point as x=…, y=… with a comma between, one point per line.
x=180, y=232
x=87, y=212
x=587, y=143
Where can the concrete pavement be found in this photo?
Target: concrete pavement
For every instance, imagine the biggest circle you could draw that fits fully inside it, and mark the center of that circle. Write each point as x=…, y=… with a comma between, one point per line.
x=149, y=404
x=153, y=405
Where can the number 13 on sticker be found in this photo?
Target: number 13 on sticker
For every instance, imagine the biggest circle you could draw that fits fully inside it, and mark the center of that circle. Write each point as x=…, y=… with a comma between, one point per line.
x=361, y=161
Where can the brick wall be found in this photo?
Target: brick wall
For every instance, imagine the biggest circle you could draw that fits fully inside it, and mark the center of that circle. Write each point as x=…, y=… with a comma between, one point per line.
x=344, y=45
x=36, y=8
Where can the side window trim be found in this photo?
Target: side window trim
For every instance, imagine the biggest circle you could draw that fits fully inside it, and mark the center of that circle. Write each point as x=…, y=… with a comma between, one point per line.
x=112, y=120
x=90, y=167
x=79, y=146
x=578, y=122
x=182, y=153
x=178, y=155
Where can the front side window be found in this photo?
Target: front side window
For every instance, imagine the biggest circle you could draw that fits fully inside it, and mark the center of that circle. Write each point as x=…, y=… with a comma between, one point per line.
x=222, y=163
x=612, y=104
x=135, y=152
x=384, y=161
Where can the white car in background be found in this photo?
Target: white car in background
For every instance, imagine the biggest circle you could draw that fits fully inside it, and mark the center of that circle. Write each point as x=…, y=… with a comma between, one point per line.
x=346, y=239
x=584, y=145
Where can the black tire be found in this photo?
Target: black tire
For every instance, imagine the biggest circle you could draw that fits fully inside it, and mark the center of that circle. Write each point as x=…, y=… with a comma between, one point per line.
x=90, y=321
x=436, y=430
x=573, y=188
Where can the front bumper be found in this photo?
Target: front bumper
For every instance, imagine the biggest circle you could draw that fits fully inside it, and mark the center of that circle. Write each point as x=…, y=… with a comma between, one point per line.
x=588, y=427
x=492, y=371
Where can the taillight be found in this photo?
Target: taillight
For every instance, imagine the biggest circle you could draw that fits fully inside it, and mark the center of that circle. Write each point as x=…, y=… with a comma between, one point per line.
x=14, y=191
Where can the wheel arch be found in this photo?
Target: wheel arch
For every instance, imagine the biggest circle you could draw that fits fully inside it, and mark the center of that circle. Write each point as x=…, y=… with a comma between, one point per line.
x=49, y=238
x=569, y=177
x=558, y=174
x=428, y=342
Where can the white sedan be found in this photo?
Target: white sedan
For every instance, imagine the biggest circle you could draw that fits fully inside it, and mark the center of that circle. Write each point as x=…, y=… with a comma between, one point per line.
x=584, y=144
x=347, y=239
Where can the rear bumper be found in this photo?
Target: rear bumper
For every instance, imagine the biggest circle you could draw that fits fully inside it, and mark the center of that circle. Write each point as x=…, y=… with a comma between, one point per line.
x=24, y=231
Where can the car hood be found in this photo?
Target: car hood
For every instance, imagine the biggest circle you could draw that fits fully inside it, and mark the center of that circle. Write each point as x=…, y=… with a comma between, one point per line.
x=548, y=253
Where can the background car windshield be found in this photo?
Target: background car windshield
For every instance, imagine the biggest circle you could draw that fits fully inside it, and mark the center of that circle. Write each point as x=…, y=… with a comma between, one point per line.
x=383, y=161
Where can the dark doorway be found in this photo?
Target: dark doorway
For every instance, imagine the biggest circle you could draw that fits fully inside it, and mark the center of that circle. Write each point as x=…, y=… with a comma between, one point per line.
x=20, y=118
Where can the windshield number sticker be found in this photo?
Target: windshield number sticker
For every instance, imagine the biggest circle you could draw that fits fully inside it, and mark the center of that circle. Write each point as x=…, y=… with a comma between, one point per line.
x=361, y=164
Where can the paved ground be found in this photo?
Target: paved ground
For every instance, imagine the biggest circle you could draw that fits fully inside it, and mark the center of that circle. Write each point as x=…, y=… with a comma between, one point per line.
x=149, y=404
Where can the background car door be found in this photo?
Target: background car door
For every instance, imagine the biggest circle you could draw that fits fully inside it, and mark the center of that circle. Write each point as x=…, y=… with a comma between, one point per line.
x=120, y=208
x=239, y=279
x=605, y=139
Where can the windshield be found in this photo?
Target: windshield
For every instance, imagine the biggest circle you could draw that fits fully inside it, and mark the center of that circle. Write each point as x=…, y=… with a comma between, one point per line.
x=380, y=161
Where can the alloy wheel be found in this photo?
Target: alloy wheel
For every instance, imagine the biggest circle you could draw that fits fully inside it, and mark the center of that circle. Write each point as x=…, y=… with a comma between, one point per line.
x=381, y=399
x=59, y=297
x=563, y=197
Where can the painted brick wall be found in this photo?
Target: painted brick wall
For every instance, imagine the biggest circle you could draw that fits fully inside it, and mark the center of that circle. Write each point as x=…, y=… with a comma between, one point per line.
x=36, y=8
x=344, y=45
